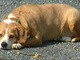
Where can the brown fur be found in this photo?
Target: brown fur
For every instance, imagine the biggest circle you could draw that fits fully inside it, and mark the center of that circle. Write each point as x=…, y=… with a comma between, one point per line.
x=47, y=21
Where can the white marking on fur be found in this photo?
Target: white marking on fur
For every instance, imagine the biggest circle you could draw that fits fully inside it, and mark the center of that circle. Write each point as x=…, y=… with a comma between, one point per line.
x=6, y=39
x=8, y=21
x=73, y=40
x=16, y=45
x=11, y=16
x=66, y=38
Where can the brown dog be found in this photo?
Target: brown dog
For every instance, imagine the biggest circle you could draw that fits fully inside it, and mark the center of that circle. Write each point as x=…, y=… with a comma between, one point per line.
x=32, y=24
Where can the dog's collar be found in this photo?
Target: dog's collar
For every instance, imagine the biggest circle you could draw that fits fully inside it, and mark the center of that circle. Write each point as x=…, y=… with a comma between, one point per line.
x=16, y=21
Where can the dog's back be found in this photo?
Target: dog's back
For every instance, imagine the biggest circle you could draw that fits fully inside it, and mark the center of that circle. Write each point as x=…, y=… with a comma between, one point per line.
x=49, y=20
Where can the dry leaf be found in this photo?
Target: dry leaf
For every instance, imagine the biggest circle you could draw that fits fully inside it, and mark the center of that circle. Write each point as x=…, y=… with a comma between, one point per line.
x=36, y=55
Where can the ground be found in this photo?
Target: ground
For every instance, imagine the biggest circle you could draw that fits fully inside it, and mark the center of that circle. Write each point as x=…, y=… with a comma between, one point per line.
x=49, y=50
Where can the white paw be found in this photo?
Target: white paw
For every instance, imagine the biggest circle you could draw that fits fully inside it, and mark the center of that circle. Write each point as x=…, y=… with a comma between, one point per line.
x=16, y=46
x=73, y=40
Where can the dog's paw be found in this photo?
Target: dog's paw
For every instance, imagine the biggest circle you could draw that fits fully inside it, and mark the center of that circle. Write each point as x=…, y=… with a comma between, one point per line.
x=77, y=39
x=16, y=46
x=73, y=40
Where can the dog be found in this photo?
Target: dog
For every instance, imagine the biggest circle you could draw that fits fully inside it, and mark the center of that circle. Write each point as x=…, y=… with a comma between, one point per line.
x=33, y=24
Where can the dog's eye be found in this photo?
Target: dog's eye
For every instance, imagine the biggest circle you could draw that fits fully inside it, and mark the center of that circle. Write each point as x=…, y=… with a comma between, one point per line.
x=11, y=36
x=1, y=35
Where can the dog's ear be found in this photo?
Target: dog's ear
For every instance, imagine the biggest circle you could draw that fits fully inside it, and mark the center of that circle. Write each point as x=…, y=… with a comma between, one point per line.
x=22, y=35
x=24, y=23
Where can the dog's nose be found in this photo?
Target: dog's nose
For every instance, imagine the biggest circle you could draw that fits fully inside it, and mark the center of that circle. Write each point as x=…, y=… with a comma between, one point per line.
x=4, y=44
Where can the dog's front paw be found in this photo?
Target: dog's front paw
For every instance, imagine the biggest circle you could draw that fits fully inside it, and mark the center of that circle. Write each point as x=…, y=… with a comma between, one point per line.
x=16, y=46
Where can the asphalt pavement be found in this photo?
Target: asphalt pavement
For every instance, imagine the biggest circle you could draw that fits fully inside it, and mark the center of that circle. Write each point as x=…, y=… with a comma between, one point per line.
x=49, y=50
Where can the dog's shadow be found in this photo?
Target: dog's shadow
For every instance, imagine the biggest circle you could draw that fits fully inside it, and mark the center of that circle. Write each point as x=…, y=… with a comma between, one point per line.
x=48, y=43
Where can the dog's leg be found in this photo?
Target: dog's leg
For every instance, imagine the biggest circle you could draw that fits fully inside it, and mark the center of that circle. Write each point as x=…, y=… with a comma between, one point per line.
x=35, y=41
x=76, y=39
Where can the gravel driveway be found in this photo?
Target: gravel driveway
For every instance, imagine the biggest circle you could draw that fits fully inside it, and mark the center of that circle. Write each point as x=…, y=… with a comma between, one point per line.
x=49, y=50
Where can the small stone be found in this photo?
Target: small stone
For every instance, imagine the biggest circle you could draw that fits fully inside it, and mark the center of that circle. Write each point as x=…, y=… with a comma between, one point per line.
x=18, y=52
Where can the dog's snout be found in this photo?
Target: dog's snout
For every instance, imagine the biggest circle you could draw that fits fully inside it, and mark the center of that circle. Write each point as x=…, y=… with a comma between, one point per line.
x=4, y=44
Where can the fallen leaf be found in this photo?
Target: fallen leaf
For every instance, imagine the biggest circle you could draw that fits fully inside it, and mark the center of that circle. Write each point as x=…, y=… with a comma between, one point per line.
x=36, y=55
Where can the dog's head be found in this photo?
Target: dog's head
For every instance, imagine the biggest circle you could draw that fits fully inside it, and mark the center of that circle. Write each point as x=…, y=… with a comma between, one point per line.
x=12, y=32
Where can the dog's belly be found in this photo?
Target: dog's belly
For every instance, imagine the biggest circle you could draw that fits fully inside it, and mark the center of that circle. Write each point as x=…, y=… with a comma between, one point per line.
x=55, y=34
x=50, y=33
x=54, y=31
